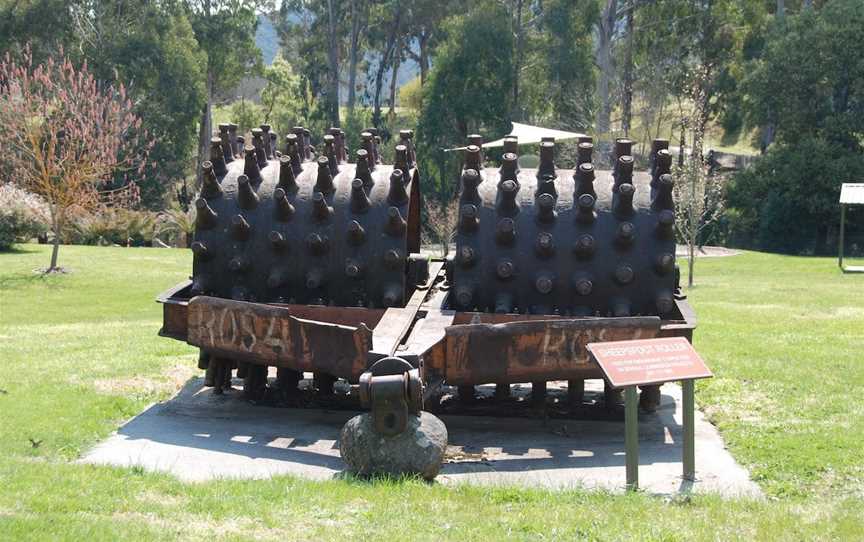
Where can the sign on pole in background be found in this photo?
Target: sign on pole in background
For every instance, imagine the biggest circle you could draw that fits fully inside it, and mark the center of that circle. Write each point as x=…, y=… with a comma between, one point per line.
x=648, y=361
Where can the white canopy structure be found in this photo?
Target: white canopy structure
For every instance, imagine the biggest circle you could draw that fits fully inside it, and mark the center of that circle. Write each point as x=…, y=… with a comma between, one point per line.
x=528, y=134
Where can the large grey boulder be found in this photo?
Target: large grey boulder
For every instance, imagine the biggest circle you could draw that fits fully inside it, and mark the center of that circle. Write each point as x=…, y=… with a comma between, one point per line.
x=417, y=451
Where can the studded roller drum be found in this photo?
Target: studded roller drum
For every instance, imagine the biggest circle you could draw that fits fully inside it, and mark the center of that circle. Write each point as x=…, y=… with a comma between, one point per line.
x=571, y=242
x=306, y=227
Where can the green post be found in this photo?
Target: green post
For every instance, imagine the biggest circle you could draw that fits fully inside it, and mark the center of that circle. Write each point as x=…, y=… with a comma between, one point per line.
x=631, y=437
x=688, y=413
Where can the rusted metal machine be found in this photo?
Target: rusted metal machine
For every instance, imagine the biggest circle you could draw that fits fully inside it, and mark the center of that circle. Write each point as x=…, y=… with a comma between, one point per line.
x=308, y=263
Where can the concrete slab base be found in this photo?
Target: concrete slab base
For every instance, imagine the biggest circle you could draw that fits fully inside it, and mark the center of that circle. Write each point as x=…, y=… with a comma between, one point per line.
x=198, y=436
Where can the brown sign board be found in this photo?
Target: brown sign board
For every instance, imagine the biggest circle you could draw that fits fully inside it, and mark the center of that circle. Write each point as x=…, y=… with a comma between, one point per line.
x=648, y=361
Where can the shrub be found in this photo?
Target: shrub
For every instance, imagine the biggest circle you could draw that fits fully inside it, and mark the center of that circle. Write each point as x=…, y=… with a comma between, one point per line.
x=23, y=216
x=114, y=226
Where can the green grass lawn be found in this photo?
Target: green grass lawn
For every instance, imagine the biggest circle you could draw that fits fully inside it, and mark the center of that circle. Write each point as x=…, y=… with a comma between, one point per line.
x=79, y=355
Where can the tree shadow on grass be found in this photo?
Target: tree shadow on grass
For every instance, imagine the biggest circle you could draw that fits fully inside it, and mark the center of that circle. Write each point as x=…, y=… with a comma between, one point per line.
x=28, y=278
x=17, y=250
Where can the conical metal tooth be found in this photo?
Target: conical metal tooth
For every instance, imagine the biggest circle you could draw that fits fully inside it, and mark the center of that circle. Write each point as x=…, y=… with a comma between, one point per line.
x=505, y=231
x=363, y=169
x=507, y=198
x=205, y=216
x=367, y=143
x=240, y=145
x=623, y=147
x=217, y=156
x=585, y=213
x=250, y=165
x=266, y=141
x=331, y=154
x=353, y=268
x=467, y=257
x=661, y=164
x=210, y=188
x=624, y=274
x=584, y=246
x=356, y=233
x=626, y=234
x=400, y=160
x=314, y=280
x=544, y=283
x=547, y=160
x=468, y=219
x=623, y=172
x=473, y=158
x=317, y=244
x=511, y=145
x=666, y=224
x=505, y=269
x=477, y=141
x=503, y=303
x=657, y=145
x=470, y=181
x=546, y=213
x=392, y=296
x=545, y=245
x=274, y=145
x=283, y=209
x=621, y=308
x=321, y=212
x=277, y=278
x=240, y=228
x=359, y=200
x=584, y=153
x=201, y=251
x=232, y=137
x=664, y=263
x=663, y=199
x=546, y=185
x=582, y=284
x=287, y=179
x=304, y=142
x=277, y=241
x=258, y=145
x=397, y=194
x=406, y=138
x=324, y=181
x=585, y=180
x=294, y=153
x=392, y=259
x=509, y=170
x=623, y=201
x=395, y=223
x=465, y=296
x=339, y=143
x=225, y=144
x=584, y=139
x=246, y=196
x=239, y=264
x=665, y=303
x=200, y=284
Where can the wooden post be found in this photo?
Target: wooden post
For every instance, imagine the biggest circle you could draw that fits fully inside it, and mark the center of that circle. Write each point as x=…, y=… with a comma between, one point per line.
x=631, y=437
x=688, y=408
x=842, y=232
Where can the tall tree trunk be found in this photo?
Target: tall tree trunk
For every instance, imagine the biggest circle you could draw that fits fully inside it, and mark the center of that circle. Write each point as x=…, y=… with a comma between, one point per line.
x=383, y=63
x=55, y=248
x=627, y=99
x=205, y=129
x=605, y=32
x=423, y=43
x=333, y=61
x=353, y=55
x=517, y=60
x=397, y=61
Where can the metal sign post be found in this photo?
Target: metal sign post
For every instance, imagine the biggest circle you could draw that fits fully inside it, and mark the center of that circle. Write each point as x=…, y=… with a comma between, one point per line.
x=627, y=364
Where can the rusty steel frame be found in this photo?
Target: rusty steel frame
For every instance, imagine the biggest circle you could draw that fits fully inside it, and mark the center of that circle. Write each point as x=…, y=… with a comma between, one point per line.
x=459, y=348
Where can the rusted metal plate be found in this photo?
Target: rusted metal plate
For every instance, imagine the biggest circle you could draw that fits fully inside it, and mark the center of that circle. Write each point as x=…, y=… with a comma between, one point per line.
x=269, y=335
x=651, y=361
x=534, y=350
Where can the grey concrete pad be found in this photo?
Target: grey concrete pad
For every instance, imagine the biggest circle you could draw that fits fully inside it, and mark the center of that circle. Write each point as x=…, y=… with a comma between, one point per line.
x=197, y=436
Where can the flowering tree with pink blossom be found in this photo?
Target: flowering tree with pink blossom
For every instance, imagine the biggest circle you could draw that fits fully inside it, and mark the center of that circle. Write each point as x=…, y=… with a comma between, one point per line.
x=68, y=138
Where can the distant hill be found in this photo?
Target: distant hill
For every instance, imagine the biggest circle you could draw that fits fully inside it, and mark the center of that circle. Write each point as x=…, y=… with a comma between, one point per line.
x=266, y=39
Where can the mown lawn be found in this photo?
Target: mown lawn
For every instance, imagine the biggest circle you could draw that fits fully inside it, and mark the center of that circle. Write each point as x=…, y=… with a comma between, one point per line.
x=79, y=355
